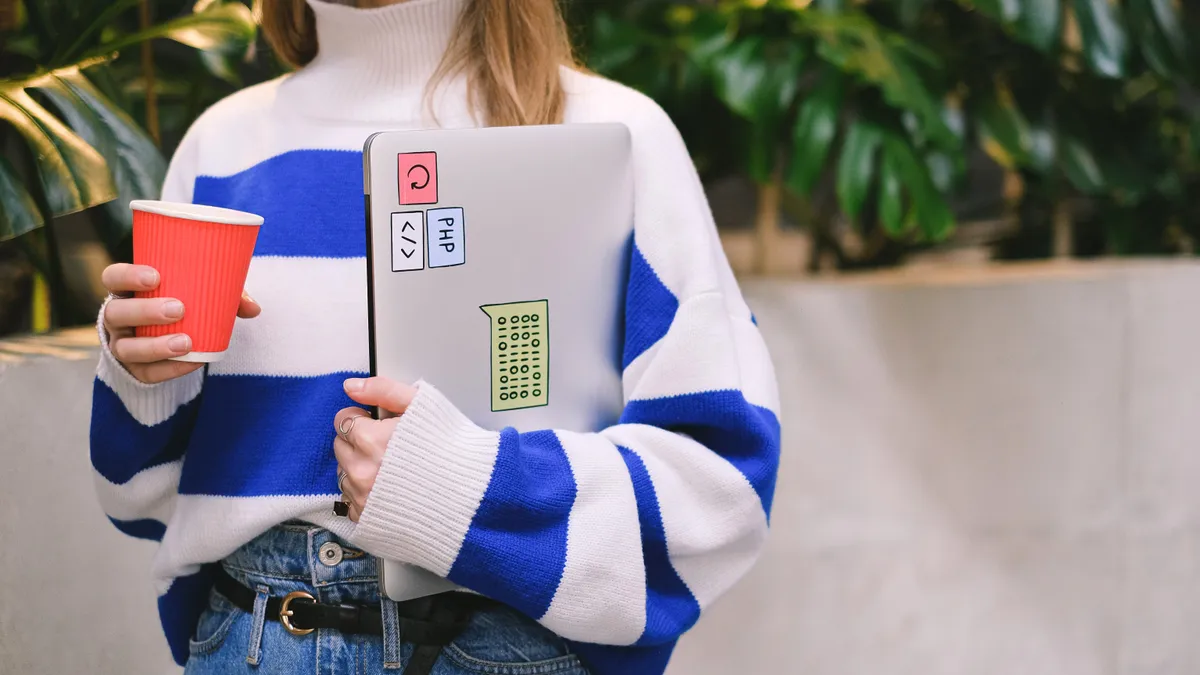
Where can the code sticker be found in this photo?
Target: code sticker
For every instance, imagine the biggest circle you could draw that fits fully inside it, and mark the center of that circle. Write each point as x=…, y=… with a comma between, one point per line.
x=418, y=178
x=447, y=237
x=408, y=241
x=520, y=354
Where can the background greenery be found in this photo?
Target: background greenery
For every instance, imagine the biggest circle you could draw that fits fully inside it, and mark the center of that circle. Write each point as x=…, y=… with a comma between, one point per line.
x=880, y=119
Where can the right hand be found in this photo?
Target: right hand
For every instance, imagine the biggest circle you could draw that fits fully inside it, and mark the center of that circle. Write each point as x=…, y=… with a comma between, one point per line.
x=146, y=358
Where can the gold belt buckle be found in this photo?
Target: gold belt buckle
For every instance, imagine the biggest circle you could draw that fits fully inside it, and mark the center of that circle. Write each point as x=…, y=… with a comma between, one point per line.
x=286, y=614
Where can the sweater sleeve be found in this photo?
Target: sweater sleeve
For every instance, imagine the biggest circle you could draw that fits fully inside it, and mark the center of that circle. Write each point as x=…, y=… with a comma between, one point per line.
x=139, y=431
x=623, y=536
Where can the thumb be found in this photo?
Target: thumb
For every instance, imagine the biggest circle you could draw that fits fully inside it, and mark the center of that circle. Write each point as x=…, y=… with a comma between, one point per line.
x=385, y=393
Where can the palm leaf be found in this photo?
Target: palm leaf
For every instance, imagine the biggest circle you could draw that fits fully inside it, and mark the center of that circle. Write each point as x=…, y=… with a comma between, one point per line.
x=226, y=28
x=72, y=173
x=18, y=211
x=137, y=166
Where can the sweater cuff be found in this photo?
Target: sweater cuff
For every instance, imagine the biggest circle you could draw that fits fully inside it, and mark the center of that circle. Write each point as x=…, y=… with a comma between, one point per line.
x=433, y=477
x=149, y=404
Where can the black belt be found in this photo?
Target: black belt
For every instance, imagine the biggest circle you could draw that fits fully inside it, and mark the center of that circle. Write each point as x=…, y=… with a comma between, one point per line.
x=428, y=623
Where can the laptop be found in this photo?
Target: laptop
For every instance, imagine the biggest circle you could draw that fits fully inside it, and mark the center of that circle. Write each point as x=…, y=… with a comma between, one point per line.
x=496, y=263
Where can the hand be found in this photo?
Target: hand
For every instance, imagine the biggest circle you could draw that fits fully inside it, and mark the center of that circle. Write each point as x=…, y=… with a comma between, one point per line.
x=146, y=358
x=362, y=441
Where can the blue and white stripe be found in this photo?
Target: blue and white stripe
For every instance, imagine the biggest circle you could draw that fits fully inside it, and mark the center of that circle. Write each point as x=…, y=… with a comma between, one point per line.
x=616, y=540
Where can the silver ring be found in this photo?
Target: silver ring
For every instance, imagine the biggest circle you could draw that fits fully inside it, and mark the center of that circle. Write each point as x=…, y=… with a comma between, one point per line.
x=341, y=479
x=345, y=429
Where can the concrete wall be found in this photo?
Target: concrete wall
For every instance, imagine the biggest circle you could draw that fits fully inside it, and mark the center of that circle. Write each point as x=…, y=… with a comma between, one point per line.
x=983, y=473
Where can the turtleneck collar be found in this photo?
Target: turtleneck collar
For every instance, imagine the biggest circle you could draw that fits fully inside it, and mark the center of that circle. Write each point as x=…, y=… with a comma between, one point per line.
x=373, y=61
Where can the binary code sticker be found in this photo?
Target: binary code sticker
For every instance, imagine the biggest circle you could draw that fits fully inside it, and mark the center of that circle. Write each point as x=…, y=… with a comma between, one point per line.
x=520, y=354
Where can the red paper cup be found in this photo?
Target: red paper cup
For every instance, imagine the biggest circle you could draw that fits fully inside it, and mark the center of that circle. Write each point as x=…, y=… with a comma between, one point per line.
x=202, y=254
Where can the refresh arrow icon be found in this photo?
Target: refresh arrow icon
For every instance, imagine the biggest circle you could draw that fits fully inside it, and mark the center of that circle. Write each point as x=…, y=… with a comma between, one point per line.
x=418, y=184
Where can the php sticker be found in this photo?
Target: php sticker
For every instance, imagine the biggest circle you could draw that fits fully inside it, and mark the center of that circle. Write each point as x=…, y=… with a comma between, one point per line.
x=447, y=237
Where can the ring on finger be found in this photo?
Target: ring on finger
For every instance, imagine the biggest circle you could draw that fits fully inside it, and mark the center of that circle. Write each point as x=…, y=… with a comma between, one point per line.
x=341, y=483
x=347, y=426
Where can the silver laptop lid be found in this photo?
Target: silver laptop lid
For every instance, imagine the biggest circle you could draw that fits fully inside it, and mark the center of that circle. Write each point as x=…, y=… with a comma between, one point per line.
x=497, y=263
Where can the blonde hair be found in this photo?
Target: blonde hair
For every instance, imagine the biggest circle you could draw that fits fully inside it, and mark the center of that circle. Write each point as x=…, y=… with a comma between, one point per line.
x=511, y=52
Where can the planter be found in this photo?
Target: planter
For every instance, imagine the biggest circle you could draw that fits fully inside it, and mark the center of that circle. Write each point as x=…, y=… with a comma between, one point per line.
x=986, y=471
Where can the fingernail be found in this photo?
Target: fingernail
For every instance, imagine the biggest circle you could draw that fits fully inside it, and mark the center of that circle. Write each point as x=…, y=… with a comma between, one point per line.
x=149, y=278
x=249, y=297
x=180, y=344
x=354, y=384
x=173, y=309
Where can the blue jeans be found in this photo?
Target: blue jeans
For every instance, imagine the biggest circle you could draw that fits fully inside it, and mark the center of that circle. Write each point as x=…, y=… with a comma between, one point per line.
x=300, y=557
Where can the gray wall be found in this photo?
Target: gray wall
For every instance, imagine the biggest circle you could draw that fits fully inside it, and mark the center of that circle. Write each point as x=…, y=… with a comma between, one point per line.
x=983, y=473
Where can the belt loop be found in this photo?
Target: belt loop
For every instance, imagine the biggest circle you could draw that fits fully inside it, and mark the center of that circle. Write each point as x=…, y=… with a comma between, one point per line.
x=256, y=625
x=391, y=633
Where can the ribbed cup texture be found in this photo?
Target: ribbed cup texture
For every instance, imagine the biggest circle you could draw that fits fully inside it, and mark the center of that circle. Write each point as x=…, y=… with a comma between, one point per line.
x=201, y=264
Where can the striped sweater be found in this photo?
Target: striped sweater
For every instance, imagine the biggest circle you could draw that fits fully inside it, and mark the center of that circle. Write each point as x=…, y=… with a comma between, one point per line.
x=614, y=538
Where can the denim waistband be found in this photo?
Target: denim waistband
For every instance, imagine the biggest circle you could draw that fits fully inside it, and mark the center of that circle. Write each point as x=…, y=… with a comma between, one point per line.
x=300, y=555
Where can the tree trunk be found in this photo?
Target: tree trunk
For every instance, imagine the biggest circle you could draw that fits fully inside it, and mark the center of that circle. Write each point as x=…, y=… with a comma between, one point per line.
x=766, y=223
x=144, y=20
x=1064, y=230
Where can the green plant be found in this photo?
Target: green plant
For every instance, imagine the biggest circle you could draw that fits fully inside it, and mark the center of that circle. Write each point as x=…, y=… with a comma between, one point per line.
x=872, y=111
x=66, y=143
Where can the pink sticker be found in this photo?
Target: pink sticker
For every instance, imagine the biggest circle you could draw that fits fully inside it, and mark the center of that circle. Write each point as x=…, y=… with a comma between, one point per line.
x=418, y=178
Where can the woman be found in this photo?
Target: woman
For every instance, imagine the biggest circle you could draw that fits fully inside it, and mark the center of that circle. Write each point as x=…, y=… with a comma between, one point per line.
x=586, y=552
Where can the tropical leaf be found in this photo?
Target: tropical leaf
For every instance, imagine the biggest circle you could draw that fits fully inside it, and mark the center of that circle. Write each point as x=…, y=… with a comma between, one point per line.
x=1169, y=21
x=856, y=167
x=225, y=28
x=1041, y=23
x=614, y=43
x=136, y=165
x=1159, y=36
x=72, y=173
x=1105, y=44
x=706, y=37
x=816, y=126
x=856, y=45
x=891, y=198
x=88, y=26
x=910, y=11
x=1080, y=165
x=758, y=79
x=928, y=210
x=1003, y=130
x=1005, y=11
x=18, y=211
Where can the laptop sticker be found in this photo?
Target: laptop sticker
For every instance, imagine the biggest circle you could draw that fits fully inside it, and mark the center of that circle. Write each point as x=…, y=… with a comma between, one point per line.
x=408, y=241
x=520, y=354
x=418, y=178
x=447, y=237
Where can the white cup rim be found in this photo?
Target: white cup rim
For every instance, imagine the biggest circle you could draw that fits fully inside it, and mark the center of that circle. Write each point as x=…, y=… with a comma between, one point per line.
x=211, y=214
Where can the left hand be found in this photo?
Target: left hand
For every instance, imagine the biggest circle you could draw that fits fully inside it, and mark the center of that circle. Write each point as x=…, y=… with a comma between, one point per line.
x=360, y=452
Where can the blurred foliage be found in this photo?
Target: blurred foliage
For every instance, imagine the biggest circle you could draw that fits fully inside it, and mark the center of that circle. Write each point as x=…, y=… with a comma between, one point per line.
x=882, y=103
x=71, y=93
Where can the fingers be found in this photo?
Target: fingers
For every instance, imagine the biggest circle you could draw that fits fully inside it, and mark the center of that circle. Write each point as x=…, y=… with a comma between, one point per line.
x=248, y=308
x=126, y=278
x=346, y=422
x=360, y=476
x=388, y=394
x=130, y=312
x=129, y=350
x=153, y=373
